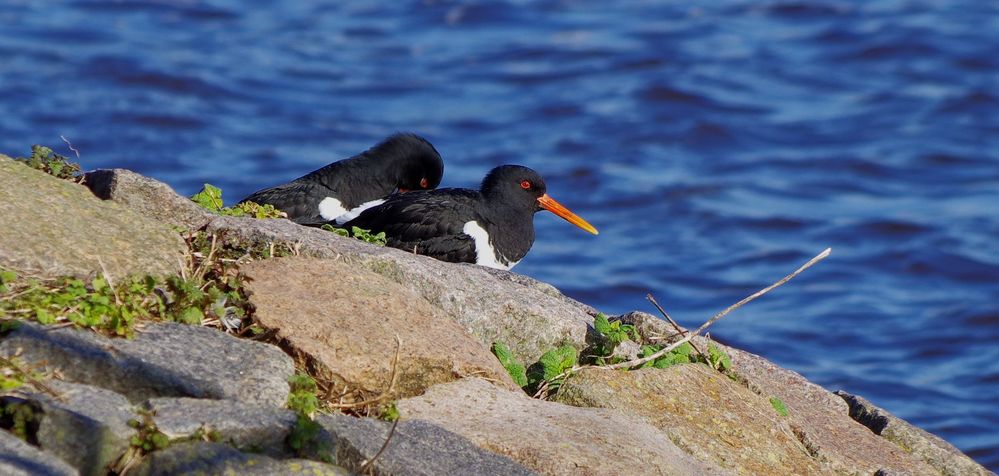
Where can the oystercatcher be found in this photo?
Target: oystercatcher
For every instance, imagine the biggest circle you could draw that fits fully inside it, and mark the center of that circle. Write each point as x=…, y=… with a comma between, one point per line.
x=340, y=191
x=492, y=227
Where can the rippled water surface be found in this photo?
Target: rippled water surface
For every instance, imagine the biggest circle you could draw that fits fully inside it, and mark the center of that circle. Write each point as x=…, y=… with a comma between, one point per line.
x=716, y=144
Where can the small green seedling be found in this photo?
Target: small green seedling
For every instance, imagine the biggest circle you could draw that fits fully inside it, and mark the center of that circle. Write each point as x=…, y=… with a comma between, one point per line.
x=360, y=233
x=549, y=369
x=609, y=336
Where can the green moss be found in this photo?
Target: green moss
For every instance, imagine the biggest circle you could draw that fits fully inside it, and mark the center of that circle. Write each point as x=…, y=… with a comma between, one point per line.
x=21, y=418
x=304, y=436
x=44, y=159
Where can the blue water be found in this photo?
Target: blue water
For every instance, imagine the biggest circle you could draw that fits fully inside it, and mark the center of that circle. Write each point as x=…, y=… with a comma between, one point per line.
x=716, y=145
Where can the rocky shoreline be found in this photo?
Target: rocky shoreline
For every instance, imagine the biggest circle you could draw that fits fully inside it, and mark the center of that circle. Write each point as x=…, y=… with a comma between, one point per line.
x=399, y=348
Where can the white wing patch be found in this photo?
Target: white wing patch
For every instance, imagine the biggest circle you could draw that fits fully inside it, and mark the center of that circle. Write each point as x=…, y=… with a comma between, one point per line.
x=353, y=213
x=331, y=208
x=485, y=255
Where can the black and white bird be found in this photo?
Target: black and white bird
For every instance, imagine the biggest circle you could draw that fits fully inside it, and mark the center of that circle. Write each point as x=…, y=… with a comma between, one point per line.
x=340, y=191
x=492, y=227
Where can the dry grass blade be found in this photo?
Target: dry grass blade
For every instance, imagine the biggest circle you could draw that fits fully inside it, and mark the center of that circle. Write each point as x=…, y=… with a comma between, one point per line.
x=26, y=375
x=637, y=362
x=384, y=395
x=388, y=438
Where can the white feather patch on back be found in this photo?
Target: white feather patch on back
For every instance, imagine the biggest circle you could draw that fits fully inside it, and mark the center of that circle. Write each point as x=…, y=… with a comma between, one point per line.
x=485, y=255
x=330, y=208
x=354, y=212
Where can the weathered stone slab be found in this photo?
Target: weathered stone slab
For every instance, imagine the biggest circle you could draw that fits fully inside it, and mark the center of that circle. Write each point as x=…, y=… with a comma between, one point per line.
x=918, y=442
x=819, y=419
x=549, y=437
x=250, y=427
x=77, y=410
x=529, y=316
x=164, y=359
x=701, y=410
x=345, y=321
x=18, y=458
x=416, y=448
x=149, y=197
x=54, y=227
x=214, y=458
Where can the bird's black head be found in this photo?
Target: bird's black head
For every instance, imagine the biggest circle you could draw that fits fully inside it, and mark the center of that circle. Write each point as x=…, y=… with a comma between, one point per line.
x=413, y=161
x=522, y=188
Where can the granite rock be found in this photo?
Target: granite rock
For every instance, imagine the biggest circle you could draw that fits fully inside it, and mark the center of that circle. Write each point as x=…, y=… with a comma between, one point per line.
x=197, y=458
x=18, y=458
x=53, y=227
x=164, y=359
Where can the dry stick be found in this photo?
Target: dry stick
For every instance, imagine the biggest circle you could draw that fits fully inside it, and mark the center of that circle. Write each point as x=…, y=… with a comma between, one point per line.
x=635, y=363
x=678, y=329
x=64, y=139
x=380, y=450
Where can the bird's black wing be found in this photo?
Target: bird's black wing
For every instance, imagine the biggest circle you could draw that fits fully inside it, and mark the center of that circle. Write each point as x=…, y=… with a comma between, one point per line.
x=299, y=199
x=426, y=222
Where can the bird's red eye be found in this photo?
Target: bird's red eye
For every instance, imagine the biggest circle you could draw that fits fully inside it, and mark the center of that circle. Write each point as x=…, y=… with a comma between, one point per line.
x=526, y=185
x=424, y=183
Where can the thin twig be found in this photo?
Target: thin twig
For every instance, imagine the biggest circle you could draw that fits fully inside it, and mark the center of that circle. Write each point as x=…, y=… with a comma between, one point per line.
x=64, y=139
x=107, y=277
x=27, y=376
x=637, y=362
x=380, y=450
x=679, y=329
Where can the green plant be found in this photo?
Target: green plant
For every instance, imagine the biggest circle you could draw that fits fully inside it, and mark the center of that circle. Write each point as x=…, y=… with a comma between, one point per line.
x=210, y=198
x=388, y=412
x=718, y=359
x=683, y=354
x=6, y=278
x=44, y=159
x=360, y=233
x=513, y=367
x=148, y=437
x=549, y=371
x=608, y=336
x=21, y=418
x=302, y=399
x=779, y=406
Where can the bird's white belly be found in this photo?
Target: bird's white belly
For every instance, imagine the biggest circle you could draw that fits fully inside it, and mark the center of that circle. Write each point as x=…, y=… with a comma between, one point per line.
x=485, y=254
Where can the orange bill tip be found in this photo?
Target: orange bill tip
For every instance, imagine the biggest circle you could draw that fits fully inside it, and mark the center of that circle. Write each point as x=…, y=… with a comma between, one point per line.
x=549, y=203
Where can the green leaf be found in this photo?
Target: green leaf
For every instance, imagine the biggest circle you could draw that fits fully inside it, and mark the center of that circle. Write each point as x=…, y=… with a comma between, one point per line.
x=191, y=315
x=209, y=197
x=718, y=359
x=557, y=361
x=779, y=406
x=516, y=369
x=601, y=324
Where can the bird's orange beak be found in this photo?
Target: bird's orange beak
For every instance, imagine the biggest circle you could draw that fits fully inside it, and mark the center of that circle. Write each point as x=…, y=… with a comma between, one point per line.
x=549, y=203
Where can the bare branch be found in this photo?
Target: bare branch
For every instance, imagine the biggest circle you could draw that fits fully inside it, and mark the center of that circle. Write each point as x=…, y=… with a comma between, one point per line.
x=637, y=362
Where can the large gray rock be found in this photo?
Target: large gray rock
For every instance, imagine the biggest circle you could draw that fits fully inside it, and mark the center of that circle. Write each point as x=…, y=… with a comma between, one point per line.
x=918, y=442
x=250, y=427
x=163, y=360
x=819, y=419
x=416, y=448
x=77, y=410
x=202, y=458
x=151, y=198
x=529, y=316
x=18, y=458
x=702, y=411
x=344, y=321
x=549, y=437
x=54, y=227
